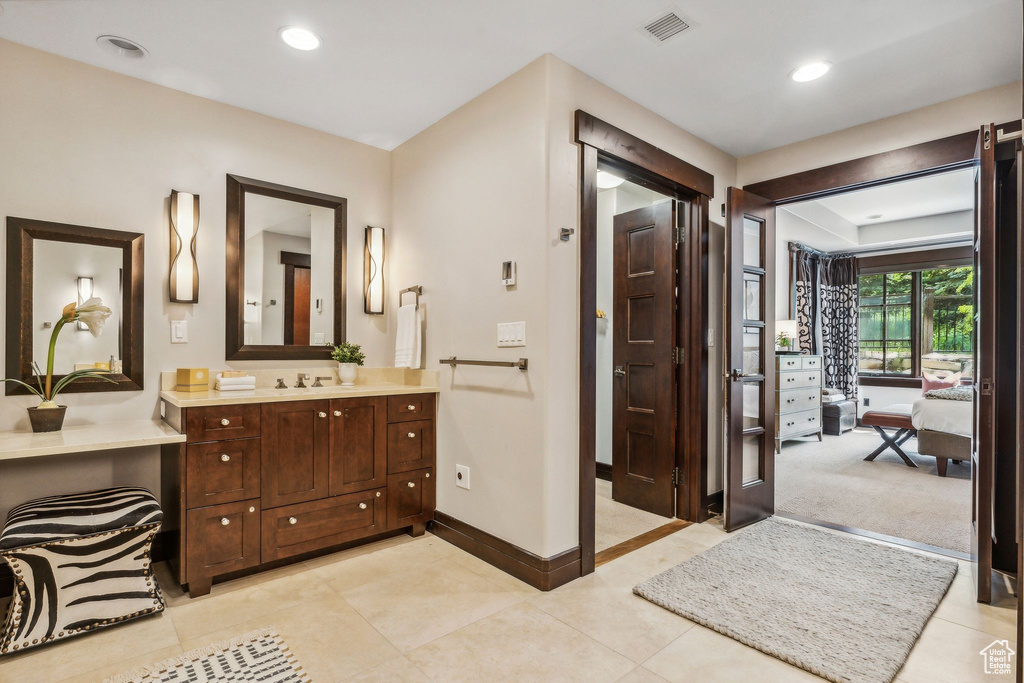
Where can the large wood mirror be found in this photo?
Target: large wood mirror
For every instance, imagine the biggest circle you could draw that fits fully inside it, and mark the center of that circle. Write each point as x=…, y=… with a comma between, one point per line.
x=285, y=271
x=50, y=265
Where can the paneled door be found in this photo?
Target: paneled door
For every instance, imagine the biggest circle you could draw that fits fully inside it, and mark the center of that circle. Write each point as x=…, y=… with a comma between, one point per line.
x=359, y=450
x=750, y=358
x=294, y=452
x=643, y=383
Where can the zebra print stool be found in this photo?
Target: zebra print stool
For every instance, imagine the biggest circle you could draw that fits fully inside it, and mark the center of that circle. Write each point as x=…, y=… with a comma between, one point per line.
x=81, y=562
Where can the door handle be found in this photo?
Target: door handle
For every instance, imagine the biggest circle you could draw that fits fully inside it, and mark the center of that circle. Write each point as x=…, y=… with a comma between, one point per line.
x=738, y=375
x=619, y=371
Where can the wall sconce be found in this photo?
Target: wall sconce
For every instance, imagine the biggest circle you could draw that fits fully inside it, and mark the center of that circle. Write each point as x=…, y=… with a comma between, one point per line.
x=184, y=276
x=373, y=271
x=84, y=294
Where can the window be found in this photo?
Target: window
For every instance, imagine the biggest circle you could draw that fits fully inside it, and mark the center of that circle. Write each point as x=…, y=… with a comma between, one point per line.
x=914, y=321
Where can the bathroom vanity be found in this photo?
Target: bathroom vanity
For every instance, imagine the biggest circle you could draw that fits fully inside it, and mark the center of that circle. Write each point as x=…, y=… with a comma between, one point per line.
x=272, y=474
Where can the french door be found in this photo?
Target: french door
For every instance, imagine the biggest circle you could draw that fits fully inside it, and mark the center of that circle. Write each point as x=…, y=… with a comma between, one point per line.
x=750, y=359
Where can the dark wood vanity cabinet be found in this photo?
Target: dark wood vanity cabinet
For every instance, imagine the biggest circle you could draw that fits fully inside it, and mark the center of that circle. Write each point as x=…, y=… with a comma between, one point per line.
x=260, y=483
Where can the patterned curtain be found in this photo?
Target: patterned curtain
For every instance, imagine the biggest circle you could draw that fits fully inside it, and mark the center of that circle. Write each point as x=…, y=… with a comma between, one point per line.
x=806, y=285
x=839, y=345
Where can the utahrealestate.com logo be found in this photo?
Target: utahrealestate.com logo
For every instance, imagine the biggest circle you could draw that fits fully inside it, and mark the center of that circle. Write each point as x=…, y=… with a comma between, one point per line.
x=998, y=658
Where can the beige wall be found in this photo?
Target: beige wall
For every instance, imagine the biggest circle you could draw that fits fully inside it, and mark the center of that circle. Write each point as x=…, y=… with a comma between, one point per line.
x=90, y=147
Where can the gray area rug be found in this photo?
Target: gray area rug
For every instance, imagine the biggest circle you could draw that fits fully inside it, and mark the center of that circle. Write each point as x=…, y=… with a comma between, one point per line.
x=831, y=482
x=840, y=607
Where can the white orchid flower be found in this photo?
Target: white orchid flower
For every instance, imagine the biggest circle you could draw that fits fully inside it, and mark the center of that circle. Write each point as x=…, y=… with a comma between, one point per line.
x=93, y=314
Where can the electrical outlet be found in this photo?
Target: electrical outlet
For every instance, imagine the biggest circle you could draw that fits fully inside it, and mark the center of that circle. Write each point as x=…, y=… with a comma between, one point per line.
x=867, y=402
x=462, y=477
x=511, y=334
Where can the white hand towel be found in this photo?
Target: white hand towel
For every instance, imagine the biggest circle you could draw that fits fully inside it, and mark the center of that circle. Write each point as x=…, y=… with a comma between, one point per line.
x=246, y=381
x=235, y=387
x=408, y=338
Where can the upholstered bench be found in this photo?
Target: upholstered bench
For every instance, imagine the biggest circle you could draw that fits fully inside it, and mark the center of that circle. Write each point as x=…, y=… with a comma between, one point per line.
x=896, y=416
x=81, y=562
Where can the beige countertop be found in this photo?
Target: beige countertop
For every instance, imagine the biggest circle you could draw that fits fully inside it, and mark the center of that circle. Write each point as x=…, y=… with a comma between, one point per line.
x=182, y=399
x=87, y=438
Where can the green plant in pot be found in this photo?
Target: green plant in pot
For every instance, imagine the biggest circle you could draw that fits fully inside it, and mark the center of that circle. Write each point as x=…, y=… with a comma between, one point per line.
x=784, y=343
x=349, y=357
x=48, y=416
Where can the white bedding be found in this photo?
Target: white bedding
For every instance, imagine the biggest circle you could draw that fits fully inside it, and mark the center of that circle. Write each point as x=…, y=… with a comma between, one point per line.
x=938, y=415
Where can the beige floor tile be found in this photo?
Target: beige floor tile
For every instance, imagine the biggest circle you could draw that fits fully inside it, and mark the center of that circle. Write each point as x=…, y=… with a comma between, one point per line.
x=415, y=607
x=399, y=669
x=950, y=653
x=613, y=616
x=124, y=665
x=217, y=611
x=650, y=560
x=361, y=569
x=960, y=606
x=174, y=595
x=494, y=575
x=701, y=654
x=641, y=675
x=328, y=638
x=358, y=550
x=516, y=644
x=89, y=652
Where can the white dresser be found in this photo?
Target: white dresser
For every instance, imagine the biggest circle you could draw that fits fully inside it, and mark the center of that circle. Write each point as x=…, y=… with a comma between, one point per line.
x=797, y=397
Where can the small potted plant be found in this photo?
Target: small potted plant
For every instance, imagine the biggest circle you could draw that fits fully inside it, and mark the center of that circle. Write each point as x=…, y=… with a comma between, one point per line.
x=349, y=357
x=48, y=416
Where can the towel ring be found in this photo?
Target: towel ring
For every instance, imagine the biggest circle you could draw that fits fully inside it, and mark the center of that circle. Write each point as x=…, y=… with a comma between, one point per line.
x=415, y=289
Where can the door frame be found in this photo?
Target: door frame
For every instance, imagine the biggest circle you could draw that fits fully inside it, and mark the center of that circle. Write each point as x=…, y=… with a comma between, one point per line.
x=644, y=163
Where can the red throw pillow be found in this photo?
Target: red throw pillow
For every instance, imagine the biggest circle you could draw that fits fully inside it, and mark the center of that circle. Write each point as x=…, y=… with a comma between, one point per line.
x=929, y=382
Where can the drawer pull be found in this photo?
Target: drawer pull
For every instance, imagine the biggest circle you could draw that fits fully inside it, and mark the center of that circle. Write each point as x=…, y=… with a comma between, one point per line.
x=427, y=475
x=225, y=457
x=292, y=520
x=362, y=506
x=412, y=484
x=412, y=435
x=225, y=422
x=224, y=521
x=378, y=494
x=337, y=413
x=252, y=508
x=323, y=414
x=411, y=407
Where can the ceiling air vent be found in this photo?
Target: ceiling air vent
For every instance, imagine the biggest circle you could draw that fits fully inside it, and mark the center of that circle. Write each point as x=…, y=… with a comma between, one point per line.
x=665, y=25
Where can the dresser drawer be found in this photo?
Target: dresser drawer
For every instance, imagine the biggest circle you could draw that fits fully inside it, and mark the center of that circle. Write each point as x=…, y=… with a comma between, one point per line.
x=410, y=407
x=787, y=362
x=216, y=423
x=810, y=362
x=797, y=400
x=410, y=445
x=222, y=472
x=222, y=538
x=305, y=527
x=410, y=498
x=799, y=379
x=799, y=423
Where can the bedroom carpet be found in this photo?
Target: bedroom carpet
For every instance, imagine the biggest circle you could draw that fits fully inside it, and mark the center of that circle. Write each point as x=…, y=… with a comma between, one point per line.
x=846, y=609
x=831, y=482
x=615, y=523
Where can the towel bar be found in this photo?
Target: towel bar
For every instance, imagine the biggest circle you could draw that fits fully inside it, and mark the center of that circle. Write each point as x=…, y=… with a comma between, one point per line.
x=522, y=363
x=415, y=289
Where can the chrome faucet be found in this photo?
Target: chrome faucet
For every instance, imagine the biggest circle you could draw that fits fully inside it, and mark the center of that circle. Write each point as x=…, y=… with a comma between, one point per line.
x=299, y=384
x=317, y=382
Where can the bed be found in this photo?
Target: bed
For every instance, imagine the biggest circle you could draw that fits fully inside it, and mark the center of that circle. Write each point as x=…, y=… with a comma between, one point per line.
x=944, y=429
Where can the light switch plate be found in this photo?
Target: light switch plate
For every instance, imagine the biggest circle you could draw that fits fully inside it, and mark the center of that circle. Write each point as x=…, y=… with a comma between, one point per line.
x=511, y=334
x=462, y=477
x=711, y=337
x=179, y=331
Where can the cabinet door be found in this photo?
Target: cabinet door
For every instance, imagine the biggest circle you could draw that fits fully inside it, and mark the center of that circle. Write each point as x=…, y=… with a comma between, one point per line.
x=305, y=527
x=223, y=538
x=410, y=498
x=222, y=472
x=294, y=452
x=410, y=445
x=358, y=458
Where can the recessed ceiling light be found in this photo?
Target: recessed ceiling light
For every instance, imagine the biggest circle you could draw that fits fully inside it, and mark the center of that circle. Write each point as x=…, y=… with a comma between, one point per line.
x=874, y=216
x=810, y=72
x=122, y=47
x=299, y=38
x=606, y=181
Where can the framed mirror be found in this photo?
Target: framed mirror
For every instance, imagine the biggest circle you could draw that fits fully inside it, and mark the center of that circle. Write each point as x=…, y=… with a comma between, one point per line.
x=286, y=269
x=50, y=265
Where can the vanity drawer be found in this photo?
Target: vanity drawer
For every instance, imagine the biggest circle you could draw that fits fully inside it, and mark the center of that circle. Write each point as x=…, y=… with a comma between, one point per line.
x=796, y=400
x=799, y=423
x=222, y=472
x=800, y=379
x=787, y=362
x=305, y=527
x=215, y=423
x=223, y=538
x=810, y=362
x=410, y=498
x=410, y=407
x=410, y=445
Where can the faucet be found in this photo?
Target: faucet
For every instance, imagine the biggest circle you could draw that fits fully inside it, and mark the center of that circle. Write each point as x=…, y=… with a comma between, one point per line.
x=299, y=384
x=281, y=384
x=317, y=382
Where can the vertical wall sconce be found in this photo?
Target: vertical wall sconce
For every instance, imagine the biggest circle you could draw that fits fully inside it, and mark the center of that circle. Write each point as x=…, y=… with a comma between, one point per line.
x=373, y=271
x=84, y=294
x=184, y=277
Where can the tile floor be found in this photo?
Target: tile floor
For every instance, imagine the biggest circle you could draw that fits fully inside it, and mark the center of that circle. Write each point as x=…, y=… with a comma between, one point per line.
x=615, y=522
x=421, y=610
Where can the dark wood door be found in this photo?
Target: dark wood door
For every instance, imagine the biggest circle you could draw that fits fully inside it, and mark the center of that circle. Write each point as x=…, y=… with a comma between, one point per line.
x=294, y=452
x=1019, y=516
x=643, y=346
x=983, y=443
x=359, y=456
x=296, y=306
x=750, y=359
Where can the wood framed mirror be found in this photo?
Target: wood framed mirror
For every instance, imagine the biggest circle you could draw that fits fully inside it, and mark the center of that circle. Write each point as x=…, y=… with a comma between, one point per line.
x=44, y=264
x=286, y=270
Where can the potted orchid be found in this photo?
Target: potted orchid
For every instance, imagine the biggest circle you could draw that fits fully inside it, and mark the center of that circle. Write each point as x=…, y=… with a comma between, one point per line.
x=349, y=357
x=48, y=416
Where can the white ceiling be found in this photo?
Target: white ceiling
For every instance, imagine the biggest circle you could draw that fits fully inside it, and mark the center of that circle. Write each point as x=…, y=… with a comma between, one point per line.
x=388, y=69
x=276, y=215
x=928, y=196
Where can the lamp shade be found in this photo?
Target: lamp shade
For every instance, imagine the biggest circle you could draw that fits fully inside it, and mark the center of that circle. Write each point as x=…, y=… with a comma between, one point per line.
x=84, y=294
x=184, y=275
x=373, y=271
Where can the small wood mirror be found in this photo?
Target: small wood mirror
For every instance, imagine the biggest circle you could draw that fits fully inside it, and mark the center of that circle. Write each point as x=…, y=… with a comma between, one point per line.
x=286, y=270
x=50, y=265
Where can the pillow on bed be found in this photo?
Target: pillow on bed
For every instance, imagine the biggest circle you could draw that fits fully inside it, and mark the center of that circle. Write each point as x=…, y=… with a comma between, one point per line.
x=932, y=382
x=952, y=394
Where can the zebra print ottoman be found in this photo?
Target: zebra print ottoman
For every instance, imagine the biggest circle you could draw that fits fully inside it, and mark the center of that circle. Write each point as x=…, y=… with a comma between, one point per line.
x=81, y=562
